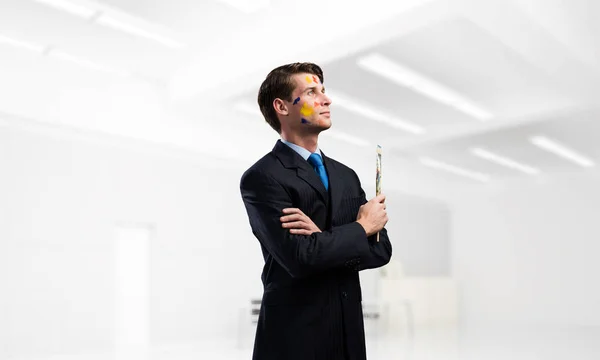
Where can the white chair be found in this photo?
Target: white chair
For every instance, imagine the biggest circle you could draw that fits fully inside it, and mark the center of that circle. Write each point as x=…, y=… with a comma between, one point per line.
x=247, y=320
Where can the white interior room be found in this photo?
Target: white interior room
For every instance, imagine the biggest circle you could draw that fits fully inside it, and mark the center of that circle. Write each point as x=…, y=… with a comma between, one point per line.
x=125, y=126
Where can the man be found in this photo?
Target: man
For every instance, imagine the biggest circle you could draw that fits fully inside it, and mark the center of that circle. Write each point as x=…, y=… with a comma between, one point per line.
x=315, y=227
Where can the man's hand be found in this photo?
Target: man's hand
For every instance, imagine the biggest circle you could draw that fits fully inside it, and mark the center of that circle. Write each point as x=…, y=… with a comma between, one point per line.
x=373, y=215
x=297, y=222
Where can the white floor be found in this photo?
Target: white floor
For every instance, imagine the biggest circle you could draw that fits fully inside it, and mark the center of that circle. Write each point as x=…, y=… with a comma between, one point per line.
x=425, y=344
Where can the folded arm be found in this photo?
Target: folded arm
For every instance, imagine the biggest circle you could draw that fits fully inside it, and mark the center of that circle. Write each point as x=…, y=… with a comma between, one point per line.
x=299, y=255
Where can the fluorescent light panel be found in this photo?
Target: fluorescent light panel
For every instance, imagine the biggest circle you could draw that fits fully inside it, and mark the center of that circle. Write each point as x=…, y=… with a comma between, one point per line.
x=24, y=45
x=247, y=6
x=117, y=24
x=71, y=7
x=561, y=150
x=355, y=106
x=504, y=161
x=454, y=169
x=112, y=21
x=60, y=55
x=383, y=66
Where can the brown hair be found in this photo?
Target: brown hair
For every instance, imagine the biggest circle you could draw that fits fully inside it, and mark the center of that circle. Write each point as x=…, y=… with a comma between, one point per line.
x=278, y=84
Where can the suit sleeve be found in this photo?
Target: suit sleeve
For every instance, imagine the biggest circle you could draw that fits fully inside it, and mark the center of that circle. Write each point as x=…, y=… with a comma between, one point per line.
x=379, y=253
x=300, y=255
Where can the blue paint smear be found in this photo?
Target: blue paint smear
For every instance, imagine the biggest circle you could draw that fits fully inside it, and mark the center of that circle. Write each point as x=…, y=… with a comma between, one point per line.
x=296, y=101
x=304, y=121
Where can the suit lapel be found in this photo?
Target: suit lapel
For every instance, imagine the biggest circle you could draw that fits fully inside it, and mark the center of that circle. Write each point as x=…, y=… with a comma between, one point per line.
x=292, y=160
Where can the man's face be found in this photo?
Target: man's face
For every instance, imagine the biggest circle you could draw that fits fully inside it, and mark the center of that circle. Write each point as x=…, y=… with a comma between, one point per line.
x=309, y=108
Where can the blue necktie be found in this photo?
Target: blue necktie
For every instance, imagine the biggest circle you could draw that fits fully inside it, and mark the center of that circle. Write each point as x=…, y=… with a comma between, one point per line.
x=317, y=163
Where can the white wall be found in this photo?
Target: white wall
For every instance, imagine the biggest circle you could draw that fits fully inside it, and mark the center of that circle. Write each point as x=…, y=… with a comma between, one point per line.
x=526, y=254
x=60, y=198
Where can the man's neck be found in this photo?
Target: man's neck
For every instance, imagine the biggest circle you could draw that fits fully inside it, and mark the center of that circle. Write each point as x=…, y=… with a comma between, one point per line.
x=310, y=143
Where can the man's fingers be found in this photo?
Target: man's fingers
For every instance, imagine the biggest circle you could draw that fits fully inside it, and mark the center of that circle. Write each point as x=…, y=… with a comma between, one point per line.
x=295, y=225
x=291, y=217
x=300, y=232
x=292, y=211
x=379, y=198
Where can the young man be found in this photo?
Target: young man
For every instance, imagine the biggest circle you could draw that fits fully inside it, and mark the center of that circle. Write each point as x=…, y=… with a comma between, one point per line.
x=315, y=227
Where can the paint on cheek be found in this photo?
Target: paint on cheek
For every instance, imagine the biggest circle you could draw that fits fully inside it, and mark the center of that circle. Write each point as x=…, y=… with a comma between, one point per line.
x=296, y=101
x=307, y=110
x=316, y=104
x=304, y=121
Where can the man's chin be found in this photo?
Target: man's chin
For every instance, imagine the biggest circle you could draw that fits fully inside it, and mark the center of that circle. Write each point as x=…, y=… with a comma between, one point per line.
x=317, y=126
x=321, y=128
x=325, y=125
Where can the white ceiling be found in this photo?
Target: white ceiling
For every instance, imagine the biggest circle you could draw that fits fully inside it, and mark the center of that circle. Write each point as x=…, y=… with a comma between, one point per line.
x=533, y=64
x=543, y=85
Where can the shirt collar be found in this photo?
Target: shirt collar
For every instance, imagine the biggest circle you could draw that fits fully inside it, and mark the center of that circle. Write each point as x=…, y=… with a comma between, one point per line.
x=300, y=150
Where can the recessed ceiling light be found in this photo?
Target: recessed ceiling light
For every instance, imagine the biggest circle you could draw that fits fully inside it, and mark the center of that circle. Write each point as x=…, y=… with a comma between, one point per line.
x=24, y=45
x=402, y=75
x=247, y=6
x=454, y=169
x=63, y=56
x=561, y=150
x=369, y=112
x=71, y=7
x=115, y=19
x=504, y=161
x=126, y=27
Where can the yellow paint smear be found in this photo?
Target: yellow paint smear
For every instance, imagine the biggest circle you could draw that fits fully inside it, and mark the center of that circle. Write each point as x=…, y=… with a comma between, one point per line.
x=307, y=110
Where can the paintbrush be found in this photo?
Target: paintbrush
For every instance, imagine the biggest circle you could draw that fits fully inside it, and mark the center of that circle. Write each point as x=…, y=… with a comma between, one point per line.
x=378, y=175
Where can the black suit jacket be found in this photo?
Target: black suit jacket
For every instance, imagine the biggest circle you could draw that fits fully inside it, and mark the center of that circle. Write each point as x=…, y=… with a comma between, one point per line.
x=311, y=307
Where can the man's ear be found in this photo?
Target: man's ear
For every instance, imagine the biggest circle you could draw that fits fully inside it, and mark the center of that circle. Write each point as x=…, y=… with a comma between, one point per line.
x=280, y=107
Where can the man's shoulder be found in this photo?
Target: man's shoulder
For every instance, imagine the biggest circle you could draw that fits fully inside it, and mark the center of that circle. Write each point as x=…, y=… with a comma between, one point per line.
x=264, y=165
x=340, y=166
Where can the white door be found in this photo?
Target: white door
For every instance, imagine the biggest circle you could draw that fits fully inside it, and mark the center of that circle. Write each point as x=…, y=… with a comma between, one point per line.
x=132, y=291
